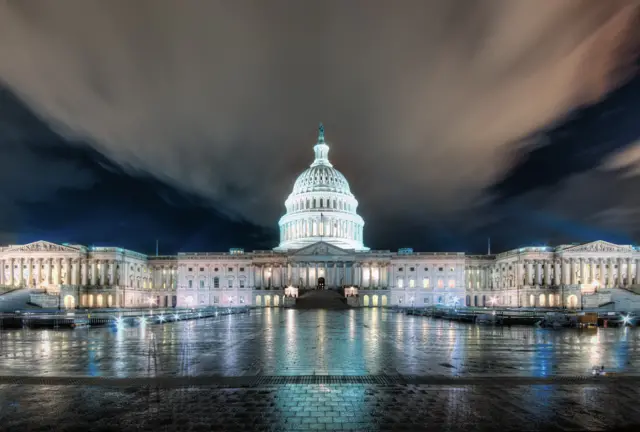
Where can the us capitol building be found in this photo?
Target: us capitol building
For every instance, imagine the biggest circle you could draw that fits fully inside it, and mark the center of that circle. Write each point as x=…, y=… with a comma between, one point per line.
x=321, y=247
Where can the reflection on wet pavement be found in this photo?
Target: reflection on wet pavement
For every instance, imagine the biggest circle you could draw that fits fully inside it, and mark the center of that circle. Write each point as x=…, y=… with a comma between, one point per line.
x=290, y=342
x=358, y=343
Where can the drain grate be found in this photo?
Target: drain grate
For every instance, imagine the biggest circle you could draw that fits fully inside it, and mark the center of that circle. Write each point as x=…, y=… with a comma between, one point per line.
x=328, y=379
x=270, y=380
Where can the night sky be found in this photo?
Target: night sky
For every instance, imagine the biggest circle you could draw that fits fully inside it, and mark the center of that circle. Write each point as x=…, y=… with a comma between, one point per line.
x=453, y=122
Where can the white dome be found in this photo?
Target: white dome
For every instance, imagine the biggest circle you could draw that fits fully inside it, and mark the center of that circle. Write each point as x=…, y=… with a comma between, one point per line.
x=321, y=178
x=321, y=207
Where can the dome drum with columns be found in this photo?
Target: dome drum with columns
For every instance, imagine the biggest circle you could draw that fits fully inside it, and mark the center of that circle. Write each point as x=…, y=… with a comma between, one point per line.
x=321, y=207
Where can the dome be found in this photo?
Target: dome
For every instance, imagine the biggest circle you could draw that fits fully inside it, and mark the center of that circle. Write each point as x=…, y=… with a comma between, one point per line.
x=321, y=178
x=321, y=207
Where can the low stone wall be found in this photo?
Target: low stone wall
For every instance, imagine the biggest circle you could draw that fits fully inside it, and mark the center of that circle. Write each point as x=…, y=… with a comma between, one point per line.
x=45, y=301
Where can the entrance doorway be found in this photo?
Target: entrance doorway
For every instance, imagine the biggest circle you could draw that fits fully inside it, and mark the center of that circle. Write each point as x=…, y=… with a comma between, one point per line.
x=321, y=283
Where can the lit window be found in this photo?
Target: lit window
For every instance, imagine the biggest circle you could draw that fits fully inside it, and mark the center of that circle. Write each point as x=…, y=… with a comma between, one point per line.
x=400, y=283
x=440, y=283
x=451, y=269
x=452, y=283
x=425, y=283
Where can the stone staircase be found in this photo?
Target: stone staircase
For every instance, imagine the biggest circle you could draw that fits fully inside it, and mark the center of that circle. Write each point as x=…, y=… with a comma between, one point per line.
x=321, y=299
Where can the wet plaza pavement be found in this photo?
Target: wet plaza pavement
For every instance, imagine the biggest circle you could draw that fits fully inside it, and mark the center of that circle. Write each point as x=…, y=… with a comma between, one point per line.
x=281, y=369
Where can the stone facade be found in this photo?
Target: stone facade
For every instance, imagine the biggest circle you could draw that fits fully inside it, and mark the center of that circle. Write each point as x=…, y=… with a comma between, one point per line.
x=321, y=247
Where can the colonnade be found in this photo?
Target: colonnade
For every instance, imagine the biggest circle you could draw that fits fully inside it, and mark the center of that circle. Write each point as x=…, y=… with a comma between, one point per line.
x=335, y=274
x=561, y=271
x=574, y=271
x=321, y=226
x=45, y=271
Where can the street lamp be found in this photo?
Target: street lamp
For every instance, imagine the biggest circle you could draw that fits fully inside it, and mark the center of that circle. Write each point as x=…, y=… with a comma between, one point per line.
x=151, y=302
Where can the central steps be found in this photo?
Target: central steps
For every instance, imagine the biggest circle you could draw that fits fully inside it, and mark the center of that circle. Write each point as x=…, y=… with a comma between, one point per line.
x=321, y=299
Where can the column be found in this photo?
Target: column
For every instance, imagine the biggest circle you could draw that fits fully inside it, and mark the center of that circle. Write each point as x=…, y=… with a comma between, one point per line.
x=620, y=273
x=556, y=273
x=610, y=270
x=12, y=264
x=112, y=275
x=547, y=273
x=29, y=263
x=629, y=273
x=572, y=270
x=67, y=271
x=103, y=268
x=362, y=275
x=38, y=263
x=48, y=271
x=583, y=271
x=84, y=272
x=592, y=273
x=637, y=272
x=2, y=269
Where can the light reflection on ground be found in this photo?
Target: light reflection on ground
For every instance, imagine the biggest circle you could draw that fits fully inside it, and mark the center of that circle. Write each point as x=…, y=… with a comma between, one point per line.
x=290, y=342
x=363, y=344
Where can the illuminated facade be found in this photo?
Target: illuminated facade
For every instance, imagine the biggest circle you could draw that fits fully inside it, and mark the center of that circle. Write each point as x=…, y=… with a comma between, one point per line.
x=321, y=247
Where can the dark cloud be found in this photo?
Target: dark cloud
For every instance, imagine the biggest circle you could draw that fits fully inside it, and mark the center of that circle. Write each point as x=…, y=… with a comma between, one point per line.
x=220, y=99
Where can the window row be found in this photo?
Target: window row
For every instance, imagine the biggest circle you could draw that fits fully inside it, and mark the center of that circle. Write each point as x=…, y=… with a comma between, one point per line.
x=440, y=269
x=426, y=283
x=215, y=269
x=216, y=283
x=323, y=203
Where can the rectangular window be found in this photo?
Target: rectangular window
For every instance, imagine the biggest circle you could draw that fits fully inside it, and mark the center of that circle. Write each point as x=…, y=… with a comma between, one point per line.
x=230, y=269
x=190, y=284
x=201, y=269
x=215, y=299
x=241, y=269
x=440, y=283
x=412, y=283
x=230, y=283
x=400, y=283
x=400, y=269
x=201, y=283
x=190, y=269
x=452, y=283
x=412, y=269
x=241, y=283
x=426, y=300
x=241, y=299
x=216, y=282
x=440, y=269
x=425, y=283
x=451, y=269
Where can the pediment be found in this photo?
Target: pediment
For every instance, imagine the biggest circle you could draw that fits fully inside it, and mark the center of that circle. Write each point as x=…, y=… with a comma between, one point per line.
x=599, y=246
x=42, y=246
x=321, y=248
